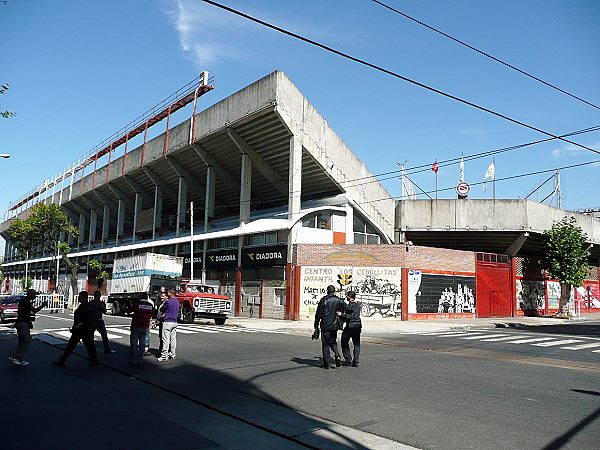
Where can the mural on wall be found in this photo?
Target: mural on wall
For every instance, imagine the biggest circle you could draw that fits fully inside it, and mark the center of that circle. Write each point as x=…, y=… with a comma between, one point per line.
x=431, y=293
x=554, y=295
x=377, y=288
x=531, y=295
x=588, y=295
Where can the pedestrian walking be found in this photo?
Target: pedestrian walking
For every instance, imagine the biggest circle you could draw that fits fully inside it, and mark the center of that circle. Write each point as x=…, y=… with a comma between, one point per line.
x=170, y=312
x=140, y=329
x=55, y=302
x=82, y=330
x=24, y=323
x=158, y=322
x=97, y=308
x=351, y=316
x=326, y=318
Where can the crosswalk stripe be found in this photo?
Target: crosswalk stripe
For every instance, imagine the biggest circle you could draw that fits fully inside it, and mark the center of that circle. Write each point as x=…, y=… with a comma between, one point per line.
x=440, y=333
x=553, y=343
x=198, y=330
x=454, y=335
x=582, y=346
x=505, y=338
x=480, y=336
x=118, y=330
x=526, y=341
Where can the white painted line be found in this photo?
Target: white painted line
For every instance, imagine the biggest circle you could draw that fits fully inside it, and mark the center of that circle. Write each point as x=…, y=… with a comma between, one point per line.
x=595, y=351
x=483, y=336
x=118, y=330
x=66, y=334
x=439, y=333
x=526, y=341
x=97, y=336
x=551, y=344
x=214, y=329
x=249, y=330
x=454, y=334
x=581, y=346
x=506, y=338
x=184, y=331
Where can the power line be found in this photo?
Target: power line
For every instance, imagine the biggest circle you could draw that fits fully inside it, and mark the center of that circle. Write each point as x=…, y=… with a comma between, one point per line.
x=393, y=74
x=481, y=52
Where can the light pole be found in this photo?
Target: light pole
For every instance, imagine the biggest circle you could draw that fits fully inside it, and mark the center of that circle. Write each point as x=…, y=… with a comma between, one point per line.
x=4, y=155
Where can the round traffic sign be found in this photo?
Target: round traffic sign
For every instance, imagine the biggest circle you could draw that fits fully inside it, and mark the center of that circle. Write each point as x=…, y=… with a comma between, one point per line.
x=463, y=188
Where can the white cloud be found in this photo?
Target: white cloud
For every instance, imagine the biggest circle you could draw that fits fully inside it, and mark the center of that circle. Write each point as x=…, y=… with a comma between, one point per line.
x=569, y=150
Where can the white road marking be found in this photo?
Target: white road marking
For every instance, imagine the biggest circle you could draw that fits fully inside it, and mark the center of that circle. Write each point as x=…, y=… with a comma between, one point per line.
x=526, y=341
x=483, y=336
x=553, y=343
x=505, y=338
x=455, y=334
x=582, y=346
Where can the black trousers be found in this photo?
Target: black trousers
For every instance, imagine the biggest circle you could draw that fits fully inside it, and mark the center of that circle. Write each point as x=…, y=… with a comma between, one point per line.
x=329, y=342
x=87, y=336
x=101, y=328
x=354, y=334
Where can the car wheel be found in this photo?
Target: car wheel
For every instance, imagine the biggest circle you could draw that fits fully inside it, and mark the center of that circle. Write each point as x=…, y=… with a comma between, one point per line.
x=220, y=321
x=187, y=315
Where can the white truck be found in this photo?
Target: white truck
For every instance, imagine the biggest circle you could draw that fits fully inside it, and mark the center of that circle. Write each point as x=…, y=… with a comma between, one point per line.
x=148, y=272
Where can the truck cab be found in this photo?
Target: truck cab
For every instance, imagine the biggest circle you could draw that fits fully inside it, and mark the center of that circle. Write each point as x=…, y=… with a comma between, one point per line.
x=201, y=300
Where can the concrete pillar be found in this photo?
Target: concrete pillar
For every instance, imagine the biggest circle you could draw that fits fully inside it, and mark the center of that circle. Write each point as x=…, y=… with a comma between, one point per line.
x=295, y=177
x=105, y=224
x=81, y=237
x=245, y=188
x=93, y=223
x=350, y=224
x=136, y=210
x=181, y=206
x=209, y=200
x=70, y=237
x=158, y=206
x=120, y=221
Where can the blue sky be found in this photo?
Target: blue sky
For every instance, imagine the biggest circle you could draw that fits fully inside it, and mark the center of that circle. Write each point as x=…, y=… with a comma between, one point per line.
x=79, y=71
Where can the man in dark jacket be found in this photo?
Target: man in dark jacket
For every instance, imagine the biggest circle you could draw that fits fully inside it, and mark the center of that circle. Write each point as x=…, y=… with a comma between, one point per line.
x=351, y=316
x=326, y=318
x=25, y=317
x=97, y=308
x=82, y=330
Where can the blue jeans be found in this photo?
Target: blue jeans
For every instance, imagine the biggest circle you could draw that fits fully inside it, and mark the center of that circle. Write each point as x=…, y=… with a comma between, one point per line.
x=137, y=343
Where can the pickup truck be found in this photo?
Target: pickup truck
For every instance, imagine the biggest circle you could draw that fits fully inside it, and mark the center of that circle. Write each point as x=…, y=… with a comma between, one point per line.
x=201, y=300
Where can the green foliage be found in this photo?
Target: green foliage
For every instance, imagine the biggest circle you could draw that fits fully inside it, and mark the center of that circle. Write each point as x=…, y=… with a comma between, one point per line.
x=40, y=231
x=26, y=283
x=96, y=265
x=3, y=89
x=105, y=275
x=565, y=257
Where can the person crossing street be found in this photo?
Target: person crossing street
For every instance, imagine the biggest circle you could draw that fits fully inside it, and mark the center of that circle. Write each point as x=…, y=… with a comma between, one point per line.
x=326, y=318
x=25, y=317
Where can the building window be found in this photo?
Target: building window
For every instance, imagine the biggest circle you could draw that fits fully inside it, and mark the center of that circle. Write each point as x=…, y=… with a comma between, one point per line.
x=231, y=242
x=364, y=233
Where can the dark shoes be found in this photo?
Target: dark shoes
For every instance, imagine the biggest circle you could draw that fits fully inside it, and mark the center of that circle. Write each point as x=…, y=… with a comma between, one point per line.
x=324, y=366
x=93, y=364
x=354, y=364
x=348, y=362
x=338, y=362
x=110, y=350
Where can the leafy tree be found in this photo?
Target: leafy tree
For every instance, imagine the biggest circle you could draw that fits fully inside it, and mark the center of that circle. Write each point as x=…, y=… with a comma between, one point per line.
x=565, y=257
x=5, y=114
x=26, y=283
x=40, y=232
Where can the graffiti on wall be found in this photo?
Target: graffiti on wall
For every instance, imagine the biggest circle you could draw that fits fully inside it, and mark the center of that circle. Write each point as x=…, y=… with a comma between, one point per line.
x=431, y=293
x=588, y=295
x=531, y=295
x=377, y=288
x=554, y=295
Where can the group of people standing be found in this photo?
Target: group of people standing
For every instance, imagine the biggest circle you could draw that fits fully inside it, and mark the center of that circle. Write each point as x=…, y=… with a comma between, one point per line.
x=88, y=319
x=334, y=314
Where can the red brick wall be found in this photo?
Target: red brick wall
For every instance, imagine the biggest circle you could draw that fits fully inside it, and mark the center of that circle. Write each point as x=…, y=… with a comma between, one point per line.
x=384, y=255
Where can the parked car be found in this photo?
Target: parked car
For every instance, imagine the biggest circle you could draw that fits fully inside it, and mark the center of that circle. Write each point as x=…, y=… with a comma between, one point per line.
x=8, y=307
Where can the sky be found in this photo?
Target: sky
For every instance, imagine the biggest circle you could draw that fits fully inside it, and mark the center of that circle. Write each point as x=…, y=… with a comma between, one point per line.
x=79, y=71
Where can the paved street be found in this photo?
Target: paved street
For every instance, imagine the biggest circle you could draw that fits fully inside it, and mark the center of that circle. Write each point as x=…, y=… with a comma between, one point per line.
x=255, y=387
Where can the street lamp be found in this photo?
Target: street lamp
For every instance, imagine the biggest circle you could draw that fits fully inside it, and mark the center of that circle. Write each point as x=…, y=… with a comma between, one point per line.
x=4, y=155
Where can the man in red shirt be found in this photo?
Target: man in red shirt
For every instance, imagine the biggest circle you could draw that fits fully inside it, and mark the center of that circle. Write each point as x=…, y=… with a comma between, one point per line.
x=140, y=327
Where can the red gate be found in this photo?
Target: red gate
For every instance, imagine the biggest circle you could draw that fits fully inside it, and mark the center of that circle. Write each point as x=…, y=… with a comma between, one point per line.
x=495, y=287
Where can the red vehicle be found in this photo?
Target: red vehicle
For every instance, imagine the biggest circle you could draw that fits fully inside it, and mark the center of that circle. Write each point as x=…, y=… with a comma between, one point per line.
x=8, y=307
x=200, y=300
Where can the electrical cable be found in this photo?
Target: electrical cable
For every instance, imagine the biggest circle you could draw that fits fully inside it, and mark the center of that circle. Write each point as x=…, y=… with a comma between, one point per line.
x=481, y=52
x=393, y=74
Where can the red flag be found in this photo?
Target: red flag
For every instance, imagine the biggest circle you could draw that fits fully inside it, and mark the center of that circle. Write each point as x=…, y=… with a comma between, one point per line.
x=435, y=167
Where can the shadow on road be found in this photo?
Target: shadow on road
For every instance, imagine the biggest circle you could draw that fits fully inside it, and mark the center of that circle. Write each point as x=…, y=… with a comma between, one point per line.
x=575, y=329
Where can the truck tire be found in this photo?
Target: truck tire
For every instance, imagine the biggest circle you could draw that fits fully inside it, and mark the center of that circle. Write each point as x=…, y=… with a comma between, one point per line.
x=187, y=315
x=116, y=308
x=220, y=320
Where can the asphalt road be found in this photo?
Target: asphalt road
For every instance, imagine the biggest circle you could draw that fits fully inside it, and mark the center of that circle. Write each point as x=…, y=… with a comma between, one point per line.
x=429, y=391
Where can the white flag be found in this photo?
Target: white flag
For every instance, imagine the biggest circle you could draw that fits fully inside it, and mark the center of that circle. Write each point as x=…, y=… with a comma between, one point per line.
x=490, y=173
x=408, y=188
x=461, y=175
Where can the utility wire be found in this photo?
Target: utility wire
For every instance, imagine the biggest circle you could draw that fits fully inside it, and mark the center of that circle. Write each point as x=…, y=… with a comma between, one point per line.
x=393, y=74
x=481, y=52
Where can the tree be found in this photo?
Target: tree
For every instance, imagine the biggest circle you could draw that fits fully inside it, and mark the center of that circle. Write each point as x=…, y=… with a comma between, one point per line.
x=40, y=233
x=5, y=114
x=565, y=258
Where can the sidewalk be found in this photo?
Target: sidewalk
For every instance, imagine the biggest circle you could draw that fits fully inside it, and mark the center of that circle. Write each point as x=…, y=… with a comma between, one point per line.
x=393, y=325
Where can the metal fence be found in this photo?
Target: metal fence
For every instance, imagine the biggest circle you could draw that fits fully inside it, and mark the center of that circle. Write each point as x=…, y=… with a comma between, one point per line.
x=56, y=302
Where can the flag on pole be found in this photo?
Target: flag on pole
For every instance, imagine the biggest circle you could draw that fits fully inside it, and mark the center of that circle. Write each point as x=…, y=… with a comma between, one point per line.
x=435, y=167
x=408, y=188
x=490, y=173
x=461, y=174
